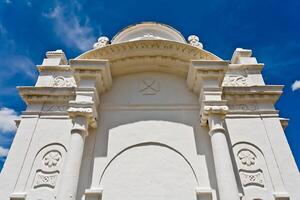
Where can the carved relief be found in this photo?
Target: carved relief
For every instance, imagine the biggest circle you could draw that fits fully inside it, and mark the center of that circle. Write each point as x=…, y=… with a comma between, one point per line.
x=255, y=178
x=55, y=108
x=61, y=81
x=247, y=157
x=51, y=159
x=149, y=87
x=244, y=107
x=235, y=80
x=45, y=179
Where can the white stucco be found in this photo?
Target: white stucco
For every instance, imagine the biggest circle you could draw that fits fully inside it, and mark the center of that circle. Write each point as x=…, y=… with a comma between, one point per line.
x=150, y=115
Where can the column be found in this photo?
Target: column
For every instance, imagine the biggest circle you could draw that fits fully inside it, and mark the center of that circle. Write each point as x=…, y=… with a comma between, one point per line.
x=68, y=189
x=226, y=180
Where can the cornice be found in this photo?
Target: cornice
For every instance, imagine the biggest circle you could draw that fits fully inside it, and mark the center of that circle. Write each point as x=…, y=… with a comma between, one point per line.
x=200, y=70
x=148, y=47
x=46, y=94
x=263, y=93
x=152, y=55
x=42, y=68
x=97, y=69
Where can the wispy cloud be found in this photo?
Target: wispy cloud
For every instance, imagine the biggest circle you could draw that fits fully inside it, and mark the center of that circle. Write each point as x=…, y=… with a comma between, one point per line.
x=7, y=117
x=296, y=85
x=70, y=27
x=3, y=152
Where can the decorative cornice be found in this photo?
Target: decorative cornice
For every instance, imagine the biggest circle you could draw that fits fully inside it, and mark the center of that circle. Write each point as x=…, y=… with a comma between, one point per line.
x=43, y=68
x=46, y=94
x=264, y=93
x=148, y=47
x=93, y=68
x=202, y=69
x=247, y=68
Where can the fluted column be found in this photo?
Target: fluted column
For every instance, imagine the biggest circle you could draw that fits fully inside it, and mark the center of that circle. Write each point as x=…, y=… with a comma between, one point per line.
x=226, y=180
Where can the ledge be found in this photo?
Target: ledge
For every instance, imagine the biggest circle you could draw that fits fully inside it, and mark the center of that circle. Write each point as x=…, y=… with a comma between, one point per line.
x=46, y=94
x=264, y=93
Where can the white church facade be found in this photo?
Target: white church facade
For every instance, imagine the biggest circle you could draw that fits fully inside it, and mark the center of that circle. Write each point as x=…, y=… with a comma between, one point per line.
x=149, y=115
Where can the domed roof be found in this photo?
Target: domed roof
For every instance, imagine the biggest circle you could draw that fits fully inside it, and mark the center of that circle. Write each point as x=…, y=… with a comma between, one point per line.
x=148, y=31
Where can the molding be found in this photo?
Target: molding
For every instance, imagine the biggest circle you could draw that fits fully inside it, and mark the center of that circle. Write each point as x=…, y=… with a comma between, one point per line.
x=206, y=193
x=247, y=68
x=284, y=122
x=263, y=93
x=93, y=193
x=31, y=94
x=18, y=196
x=50, y=68
x=148, y=47
x=112, y=107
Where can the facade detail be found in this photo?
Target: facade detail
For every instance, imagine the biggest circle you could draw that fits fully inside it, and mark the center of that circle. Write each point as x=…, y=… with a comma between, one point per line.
x=150, y=115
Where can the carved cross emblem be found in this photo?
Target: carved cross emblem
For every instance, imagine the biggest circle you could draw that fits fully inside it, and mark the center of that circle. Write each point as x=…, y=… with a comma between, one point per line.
x=149, y=87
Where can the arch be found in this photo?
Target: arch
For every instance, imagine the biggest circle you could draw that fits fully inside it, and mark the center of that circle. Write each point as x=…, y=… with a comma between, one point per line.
x=148, y=144
x=149, y=55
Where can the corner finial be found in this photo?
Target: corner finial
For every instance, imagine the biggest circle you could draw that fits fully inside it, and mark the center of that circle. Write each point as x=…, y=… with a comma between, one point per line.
x=102, y=41
x=194, y=41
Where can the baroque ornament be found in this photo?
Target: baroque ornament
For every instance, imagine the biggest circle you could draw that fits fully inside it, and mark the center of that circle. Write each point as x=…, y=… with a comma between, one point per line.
x=61, y=81
x=247, y=157
x=51, y=159
x=194, y=41
x=102, y=42
x=235, y=81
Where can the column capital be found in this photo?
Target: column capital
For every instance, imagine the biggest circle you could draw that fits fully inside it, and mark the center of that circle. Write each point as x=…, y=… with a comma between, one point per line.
x=85, y=109
x=212, y=108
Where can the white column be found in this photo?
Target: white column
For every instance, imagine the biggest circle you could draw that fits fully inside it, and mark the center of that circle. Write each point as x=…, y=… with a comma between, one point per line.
x=226, y=180
x=68, y=188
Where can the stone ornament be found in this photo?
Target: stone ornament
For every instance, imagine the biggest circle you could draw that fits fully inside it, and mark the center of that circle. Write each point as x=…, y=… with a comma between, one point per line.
x=51, y=159
x=102, y=42
x=54, y=108
x=149, y=87
x=252, y=178
x=247, y=157
x=45, y=179
x=235, y=80
x=194, y=41
x=61, y=81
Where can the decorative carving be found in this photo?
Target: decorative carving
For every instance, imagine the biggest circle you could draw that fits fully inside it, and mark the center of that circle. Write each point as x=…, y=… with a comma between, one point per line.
x=194, y=41
x=45, y=179
x=149, y=87
x=102, y=41
x=245, y=107
x=51, y=159
x=252, y=178
x=61, y=81
x=235, y=80
x=57, y=108
x=247, y=157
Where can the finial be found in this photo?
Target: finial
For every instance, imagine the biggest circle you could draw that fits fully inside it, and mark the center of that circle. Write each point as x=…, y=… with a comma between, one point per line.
x=194, y=41
x=102, y=41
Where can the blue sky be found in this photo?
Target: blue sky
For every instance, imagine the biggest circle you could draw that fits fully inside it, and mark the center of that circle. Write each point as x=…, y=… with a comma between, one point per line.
x=29, y=28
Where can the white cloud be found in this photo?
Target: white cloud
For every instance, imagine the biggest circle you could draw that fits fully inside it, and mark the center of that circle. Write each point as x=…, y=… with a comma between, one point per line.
x=3, y=152
x=296, y=85
x=7, y=117
x=70, y=28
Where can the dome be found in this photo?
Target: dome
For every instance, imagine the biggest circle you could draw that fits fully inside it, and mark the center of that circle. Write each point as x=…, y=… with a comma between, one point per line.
x=148, y=31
